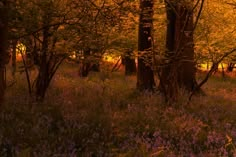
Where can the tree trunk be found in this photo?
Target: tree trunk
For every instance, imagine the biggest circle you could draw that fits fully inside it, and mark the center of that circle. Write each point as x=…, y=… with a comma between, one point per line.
x=85, y=64
x=185, y=48
x=13, y=59
x=168, y=82
x=230, y=67
x=129, y=63
x=95, y=66
x=4, y=56
x=42, y=81
x=145, y=75
x=223, y=70
x=180, y=70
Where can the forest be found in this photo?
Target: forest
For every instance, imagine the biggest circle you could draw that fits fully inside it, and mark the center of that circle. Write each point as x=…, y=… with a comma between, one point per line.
x=117, y=78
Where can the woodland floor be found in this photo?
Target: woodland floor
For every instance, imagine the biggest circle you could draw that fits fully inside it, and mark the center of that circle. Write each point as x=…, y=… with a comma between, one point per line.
x=104, y=115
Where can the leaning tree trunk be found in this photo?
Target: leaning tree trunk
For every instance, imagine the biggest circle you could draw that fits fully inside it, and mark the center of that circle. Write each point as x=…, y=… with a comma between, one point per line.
x=180, y=70
x=145, y=75
x=4, y=56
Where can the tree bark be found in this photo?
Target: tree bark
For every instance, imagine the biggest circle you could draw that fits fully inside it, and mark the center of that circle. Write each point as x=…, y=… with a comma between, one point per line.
x=85, y=64
x=129, y=62
x=42, y=81
x=4, y=56
x=13, y=58
x=95, y=66
x=168, y=71
x=179, y=72
x=230, y=67
x=145, y=75
x=185, y=48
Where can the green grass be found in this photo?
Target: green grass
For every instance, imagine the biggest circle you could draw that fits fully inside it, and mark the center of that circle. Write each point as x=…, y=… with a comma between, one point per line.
x=104, y=115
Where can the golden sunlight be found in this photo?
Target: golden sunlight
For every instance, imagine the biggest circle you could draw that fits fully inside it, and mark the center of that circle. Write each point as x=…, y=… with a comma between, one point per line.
x=20, y=49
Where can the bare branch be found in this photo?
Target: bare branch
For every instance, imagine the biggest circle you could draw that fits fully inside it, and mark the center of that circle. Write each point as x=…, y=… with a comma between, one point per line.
x=213, y=68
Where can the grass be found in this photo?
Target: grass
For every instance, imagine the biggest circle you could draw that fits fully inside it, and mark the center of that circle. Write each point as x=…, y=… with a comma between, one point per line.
x=104, y=115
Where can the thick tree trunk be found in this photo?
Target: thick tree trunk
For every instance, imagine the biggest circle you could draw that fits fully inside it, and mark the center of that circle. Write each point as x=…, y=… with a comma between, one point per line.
x=129, y=63
x=180, y=70
x=168, y=82
x=145, y=75
x=185, y=48
x=4, y=56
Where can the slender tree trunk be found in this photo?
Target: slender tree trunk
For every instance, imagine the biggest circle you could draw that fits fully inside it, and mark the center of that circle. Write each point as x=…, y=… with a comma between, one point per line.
x=145, y=75
x=230, y=67
x=42, y=79
x=4, y=56
x=223, y=70
x=13, y=59
x=85, y=64
x=95, y=66
x=49, y=61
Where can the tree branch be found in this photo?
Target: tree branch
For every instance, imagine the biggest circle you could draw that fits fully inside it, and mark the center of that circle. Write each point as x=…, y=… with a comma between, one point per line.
x=213, y=68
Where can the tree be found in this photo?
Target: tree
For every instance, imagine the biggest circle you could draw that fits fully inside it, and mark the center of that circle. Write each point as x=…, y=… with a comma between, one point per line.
x=13, y=24
x=179, y=71
x=13, y=60
x=230, y=67
x=145, y=75
x=99, y=32
x=129, y=62
x=54, y=28
x=213, y=37
x=4, y=56
x=42, y=24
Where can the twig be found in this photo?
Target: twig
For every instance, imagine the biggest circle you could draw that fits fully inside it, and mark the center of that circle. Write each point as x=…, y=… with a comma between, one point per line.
x=198, y=15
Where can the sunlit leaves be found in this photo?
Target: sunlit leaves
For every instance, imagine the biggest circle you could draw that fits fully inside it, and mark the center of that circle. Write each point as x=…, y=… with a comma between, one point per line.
x=216, y=31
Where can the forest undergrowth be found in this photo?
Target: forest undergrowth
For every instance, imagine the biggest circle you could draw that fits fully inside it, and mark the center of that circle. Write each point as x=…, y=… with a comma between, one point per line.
x=103, y=115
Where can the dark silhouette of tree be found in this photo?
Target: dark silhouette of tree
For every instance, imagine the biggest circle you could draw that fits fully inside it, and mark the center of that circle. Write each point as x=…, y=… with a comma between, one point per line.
x=39, y=26
x=145, y=75
x=179, y=72
x=49, y=59
x=129, y=62
x=13, y=57
x=230, y=67
x=85, y=63
x=4, y=56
